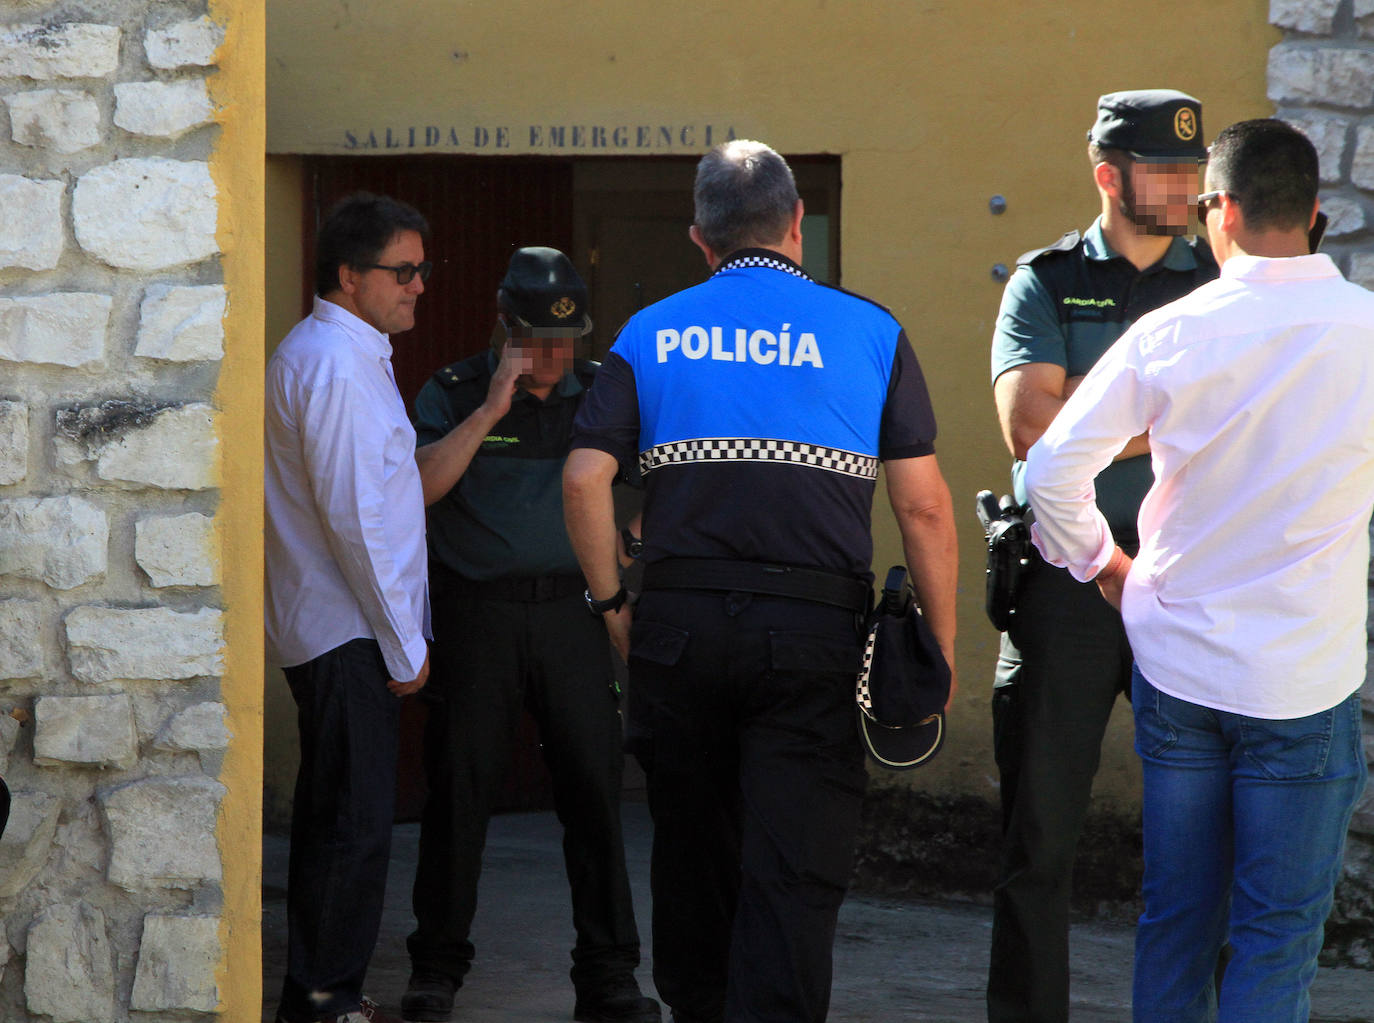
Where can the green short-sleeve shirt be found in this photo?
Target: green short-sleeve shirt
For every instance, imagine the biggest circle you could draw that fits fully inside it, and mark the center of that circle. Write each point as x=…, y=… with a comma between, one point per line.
x=504, y=518
x=1066, y=305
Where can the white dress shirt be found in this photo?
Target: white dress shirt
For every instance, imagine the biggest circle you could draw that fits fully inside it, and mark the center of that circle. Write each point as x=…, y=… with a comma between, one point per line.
x=1249, y=592
x=345, y=512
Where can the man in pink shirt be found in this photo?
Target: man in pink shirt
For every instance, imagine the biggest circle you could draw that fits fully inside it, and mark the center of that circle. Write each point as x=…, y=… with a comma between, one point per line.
x=1246, y=604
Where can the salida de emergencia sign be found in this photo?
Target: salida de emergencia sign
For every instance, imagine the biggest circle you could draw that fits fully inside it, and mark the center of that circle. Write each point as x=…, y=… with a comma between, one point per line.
x=622, y=138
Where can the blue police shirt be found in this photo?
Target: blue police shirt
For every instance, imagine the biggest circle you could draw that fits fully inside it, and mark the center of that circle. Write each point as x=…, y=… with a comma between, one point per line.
x=758, y=405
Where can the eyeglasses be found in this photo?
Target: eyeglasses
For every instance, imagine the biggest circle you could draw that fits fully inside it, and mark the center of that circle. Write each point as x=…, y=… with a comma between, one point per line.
x=405, y=273
x=1205, y=199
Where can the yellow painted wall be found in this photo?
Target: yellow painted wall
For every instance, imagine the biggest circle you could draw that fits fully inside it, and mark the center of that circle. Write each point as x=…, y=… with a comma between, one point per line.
x=239, y=90
x=933, y=106
x=285, y=217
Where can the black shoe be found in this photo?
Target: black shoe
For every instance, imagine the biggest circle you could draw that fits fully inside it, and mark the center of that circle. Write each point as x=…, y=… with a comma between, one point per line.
x=620, y=1005
x=428, y=998
x=371, y=1012
x=368, y=1012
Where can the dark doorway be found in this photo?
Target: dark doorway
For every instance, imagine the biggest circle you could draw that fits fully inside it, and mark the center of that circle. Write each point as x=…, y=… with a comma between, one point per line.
x=630, y=231
x=623, y=222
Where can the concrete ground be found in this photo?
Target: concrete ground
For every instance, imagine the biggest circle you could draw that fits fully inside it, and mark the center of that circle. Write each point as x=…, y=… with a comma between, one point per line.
x=908, y=961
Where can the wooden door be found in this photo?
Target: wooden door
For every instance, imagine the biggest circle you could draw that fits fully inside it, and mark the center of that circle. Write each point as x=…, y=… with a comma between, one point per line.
x=630, y=231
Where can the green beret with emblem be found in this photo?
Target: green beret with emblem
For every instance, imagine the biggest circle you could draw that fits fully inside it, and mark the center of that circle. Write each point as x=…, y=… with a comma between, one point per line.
x=542, y=295
x=1150, y=124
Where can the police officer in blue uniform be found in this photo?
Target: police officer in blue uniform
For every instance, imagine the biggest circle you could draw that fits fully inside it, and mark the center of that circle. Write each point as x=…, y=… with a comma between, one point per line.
x=758, y=405
x=1065, y=657
x=512, y=631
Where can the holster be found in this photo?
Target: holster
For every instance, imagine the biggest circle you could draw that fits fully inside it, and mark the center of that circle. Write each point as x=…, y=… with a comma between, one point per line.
x=1009, y=552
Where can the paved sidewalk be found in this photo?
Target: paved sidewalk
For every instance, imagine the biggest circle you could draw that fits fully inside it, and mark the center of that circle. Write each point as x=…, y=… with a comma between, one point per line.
x=894, y=961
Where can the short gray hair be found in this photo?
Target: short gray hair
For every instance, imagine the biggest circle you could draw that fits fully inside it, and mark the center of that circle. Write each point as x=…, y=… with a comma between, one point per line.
x=745, y=195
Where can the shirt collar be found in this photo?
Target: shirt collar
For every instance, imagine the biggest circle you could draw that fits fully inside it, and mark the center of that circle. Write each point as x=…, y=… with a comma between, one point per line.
x=1288, y=268
x=1178, y=256
x=369, y=338
x=569, y=385
x=761, y=257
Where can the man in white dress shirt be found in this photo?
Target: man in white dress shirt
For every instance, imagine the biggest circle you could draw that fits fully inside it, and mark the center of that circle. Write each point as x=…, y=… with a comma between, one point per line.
x=347, y=602
x=1246, y=605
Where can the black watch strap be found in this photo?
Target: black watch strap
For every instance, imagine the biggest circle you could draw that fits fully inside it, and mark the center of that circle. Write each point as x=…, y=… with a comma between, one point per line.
x=612, y=603
x=634, y=546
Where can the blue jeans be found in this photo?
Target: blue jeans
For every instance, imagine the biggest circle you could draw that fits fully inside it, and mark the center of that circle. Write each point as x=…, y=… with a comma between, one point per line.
x=1245, y=821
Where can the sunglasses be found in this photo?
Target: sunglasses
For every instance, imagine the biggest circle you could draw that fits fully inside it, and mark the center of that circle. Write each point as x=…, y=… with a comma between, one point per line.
x=1204, y=200
x=405, y=273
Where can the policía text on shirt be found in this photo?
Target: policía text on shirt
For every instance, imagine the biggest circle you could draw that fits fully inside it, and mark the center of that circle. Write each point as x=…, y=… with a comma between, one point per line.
x=763, y=347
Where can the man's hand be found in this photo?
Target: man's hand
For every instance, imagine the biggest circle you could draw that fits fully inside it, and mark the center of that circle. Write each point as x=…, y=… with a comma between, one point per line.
x=618, y=625
x=925, y=516
x=1112, y=579
x=414, y=685
x=443, y=462
x=589, y=512
x=515, y=363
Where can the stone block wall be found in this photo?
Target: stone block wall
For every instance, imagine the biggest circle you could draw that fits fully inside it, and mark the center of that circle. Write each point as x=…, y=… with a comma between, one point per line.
x=112, y=720
x=1321, y=78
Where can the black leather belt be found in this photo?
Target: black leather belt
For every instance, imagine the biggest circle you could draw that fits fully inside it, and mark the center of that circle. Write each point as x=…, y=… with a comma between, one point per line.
x=525, y=590
x=811, y=584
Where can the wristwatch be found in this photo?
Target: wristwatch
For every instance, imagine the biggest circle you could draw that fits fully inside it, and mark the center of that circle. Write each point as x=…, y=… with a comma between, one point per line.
x=600, y=607
x=634, y=545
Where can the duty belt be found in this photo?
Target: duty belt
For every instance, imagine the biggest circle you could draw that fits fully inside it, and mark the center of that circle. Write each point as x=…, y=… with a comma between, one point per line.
x=811, y=584
x=534, y=589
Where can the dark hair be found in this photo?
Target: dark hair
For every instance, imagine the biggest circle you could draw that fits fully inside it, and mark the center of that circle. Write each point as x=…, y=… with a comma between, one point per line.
x=1270, y=169
x=1118, y=158
x=745, y=195
x=356, y=230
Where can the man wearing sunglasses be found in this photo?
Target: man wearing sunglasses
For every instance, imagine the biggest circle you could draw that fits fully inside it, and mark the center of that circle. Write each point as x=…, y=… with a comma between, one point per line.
x=1246, y=603
x=346, y=602
x=512, y=631
x=1065, y=656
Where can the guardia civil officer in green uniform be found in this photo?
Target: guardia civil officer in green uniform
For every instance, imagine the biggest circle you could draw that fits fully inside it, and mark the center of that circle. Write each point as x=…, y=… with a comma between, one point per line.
x=1065, y=657
x=513, y=631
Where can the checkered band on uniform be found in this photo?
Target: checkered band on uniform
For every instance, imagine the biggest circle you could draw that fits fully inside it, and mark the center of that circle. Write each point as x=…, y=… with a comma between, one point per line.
x=861, y=694
x=757, y=449
x=772, y=264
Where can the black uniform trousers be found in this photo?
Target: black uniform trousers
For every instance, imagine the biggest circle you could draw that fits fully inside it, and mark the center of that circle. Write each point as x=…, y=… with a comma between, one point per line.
x=341, y=820
x=1062, y=664
x=491, y=658
x=756, y=783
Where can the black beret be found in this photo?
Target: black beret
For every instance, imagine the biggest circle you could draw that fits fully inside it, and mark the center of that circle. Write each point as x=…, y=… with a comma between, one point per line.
x=544, y=293
x=1150, y=124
